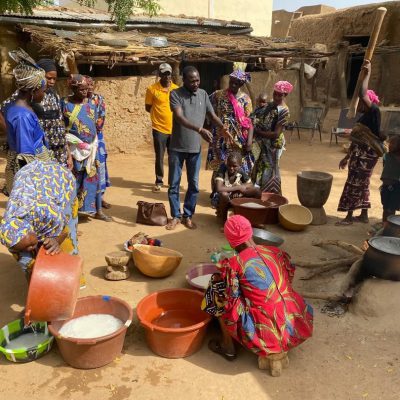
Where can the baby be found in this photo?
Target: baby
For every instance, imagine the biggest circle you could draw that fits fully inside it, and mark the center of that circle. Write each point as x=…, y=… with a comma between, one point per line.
x=390, y=189
x=232, y=182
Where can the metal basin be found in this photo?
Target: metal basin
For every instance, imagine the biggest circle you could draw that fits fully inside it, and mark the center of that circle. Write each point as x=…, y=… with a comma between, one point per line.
x=393, y=226
x=263, y=237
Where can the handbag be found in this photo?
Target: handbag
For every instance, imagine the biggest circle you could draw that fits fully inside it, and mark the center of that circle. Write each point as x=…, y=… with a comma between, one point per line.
x=151, y=214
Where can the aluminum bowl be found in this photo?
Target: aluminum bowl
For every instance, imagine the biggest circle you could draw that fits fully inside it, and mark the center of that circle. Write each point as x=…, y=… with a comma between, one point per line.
x=263, y=237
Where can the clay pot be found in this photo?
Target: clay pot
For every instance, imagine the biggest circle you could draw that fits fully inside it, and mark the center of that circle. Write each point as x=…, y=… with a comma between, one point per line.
x=154, y=261
x=256, y=216
x=174, y=324
x=274, y=201
x=294, y=217
x=393, y=226
x=96, y=352
x=382, y=258
x=313, y=189
x=53, y=288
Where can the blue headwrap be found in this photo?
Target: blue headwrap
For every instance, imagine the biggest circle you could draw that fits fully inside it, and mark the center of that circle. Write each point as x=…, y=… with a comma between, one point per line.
x=241, y=75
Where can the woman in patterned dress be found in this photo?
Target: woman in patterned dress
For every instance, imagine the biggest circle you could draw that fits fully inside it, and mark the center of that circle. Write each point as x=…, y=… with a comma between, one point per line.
x=363, y=154
x=80, y=124
x=50, y=115
x=269, y=122
x=233, y=108
x=100, y=104
x=42, y=210
x=254, y=301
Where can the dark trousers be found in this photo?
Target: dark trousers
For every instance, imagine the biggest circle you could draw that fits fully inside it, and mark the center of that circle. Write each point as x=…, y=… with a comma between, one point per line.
x=193, y=163
x=161, y=143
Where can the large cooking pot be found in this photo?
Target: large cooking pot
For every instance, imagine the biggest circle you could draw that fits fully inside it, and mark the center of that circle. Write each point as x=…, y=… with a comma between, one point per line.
x=382, y=259
x=393, y=226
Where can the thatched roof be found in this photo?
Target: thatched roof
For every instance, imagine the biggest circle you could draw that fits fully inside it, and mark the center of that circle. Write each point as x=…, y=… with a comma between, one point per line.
x=101, y=47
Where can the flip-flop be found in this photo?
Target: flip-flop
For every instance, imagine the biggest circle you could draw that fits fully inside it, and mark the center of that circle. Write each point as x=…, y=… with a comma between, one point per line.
x=359, y=219
x=103, y=217
x=344, y=223
x=215, y=346
x=106, y=205
x=172, y=224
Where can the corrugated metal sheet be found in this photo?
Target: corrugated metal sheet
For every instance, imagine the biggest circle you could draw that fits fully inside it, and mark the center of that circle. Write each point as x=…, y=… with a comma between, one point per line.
x=76, y=16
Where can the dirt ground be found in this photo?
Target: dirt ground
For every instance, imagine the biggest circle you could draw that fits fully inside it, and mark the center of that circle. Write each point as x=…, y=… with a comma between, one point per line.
x=353, y=357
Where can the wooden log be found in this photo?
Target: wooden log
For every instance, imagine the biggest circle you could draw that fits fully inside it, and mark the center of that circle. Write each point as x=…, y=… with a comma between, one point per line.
x=343, y=245
x=326, y=264
x=380, y=15
x=323, y=270
x=302, y=85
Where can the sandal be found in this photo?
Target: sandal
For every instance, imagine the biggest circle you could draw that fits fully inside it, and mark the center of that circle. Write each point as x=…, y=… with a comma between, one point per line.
x=103, y=217
x=344, y=222
x=157, y=188
x=215, y=346
x=189, y=223
x=105, y=205
x=172, y=224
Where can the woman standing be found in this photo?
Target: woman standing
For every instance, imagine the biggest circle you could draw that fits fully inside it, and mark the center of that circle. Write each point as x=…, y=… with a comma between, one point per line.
x=80, y=124
x=42, y=210
x=233, y=108
x=100, y=105
x=254, y=301
x=269, y=122
x=363, y=154
x=25, y=137
x=50, y=115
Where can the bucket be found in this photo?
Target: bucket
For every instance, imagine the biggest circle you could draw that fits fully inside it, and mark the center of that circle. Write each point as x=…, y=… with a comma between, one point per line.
x=174, y=323
x=96, y=352
x=53, y=288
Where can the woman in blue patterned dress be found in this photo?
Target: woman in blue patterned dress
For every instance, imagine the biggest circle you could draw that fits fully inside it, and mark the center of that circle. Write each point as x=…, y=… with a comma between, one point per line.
x=42, y=210
x=100, y=104
x=233, y=107
x=269, y=122
x=80, y=124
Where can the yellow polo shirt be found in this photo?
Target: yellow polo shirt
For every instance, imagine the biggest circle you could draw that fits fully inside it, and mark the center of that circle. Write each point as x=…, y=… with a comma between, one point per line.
x=161, y=115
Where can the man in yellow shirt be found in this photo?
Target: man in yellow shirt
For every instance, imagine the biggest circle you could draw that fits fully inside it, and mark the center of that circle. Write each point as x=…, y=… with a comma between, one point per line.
x=157, y=104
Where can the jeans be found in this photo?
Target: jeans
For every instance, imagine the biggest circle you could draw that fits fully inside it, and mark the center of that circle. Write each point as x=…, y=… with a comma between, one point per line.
x=161, y=143
x=176, y=161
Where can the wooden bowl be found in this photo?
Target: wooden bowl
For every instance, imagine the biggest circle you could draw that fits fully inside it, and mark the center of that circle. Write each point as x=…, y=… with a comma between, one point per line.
x=294, y=217
x=154, y=261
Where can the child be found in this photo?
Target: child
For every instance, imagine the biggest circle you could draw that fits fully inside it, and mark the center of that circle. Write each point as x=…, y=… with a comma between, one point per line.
x=390, y=189
x=232, y=182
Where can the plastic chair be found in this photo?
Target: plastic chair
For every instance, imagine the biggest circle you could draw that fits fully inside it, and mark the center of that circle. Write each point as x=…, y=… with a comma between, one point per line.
x=311, y=118
x=344, y=126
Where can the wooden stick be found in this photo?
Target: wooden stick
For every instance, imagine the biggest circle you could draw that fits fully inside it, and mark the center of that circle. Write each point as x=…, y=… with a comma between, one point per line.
x=325, y=264
x=380, y=15
x=343, y=245
x=322, y=296
x=323, y=270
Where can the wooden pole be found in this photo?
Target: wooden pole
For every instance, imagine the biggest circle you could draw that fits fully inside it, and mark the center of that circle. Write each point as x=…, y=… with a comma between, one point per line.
x=380, y=15
x=302, y=85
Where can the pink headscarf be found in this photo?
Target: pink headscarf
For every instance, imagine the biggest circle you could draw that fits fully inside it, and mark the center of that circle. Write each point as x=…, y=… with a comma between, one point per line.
x=237, y=230
x=284, y=87
x=373, y=96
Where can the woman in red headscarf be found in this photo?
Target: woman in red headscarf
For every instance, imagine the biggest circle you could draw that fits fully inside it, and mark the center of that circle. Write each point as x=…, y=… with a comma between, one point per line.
x=363, y=154
x=255, y=302
x=269, y=122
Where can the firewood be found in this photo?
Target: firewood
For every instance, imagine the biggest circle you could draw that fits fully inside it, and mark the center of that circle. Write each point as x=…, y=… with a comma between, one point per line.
x=326, y=264
x=343, y=245
x=322, y=296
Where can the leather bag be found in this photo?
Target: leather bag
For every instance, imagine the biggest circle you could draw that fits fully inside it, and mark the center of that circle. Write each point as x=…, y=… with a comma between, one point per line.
x=151, y=214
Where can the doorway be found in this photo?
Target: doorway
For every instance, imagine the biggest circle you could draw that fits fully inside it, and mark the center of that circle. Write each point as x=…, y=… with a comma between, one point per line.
x=354, y=62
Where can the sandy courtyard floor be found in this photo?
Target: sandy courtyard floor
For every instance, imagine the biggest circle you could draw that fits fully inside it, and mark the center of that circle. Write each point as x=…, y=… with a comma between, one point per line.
x=353, y=357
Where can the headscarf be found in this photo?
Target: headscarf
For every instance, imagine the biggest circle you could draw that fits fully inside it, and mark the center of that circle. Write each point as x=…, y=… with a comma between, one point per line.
x=47, y=64
x=237, y=230
x=89, y=80
x=284, y=87
x=373, y=96
x=241, y=75
x=28, y=75
x=76, y=80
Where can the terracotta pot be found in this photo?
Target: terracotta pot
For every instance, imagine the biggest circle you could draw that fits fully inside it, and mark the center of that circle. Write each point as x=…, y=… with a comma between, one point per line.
x=154, y=261
x=256, y=216
x=393, y=226
x=382, y=258
x=96, y=352
x=54, y=287
x=274, y=201
x=174, y=324
x=313, y=188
